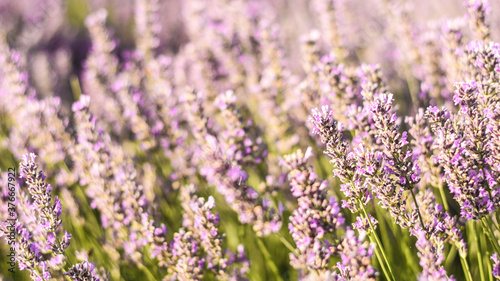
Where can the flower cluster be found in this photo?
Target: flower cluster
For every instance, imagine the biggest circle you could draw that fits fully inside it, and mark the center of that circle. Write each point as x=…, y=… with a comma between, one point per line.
x=496, y=266
x=478, y=12
x=317, y=216
x=465, y=150
x=345, y=162
x=83, y=272
x=316, y=221
x=355, y=258
x=43, y=235
x=197, y=248
x=431, y=258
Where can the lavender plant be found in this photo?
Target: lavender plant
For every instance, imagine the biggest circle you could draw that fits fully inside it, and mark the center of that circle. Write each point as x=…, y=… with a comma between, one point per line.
x=41, y=245
x=168, y=136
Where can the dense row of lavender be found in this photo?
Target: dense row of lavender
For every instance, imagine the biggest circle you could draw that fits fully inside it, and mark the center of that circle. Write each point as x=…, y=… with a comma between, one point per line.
x=209, y=158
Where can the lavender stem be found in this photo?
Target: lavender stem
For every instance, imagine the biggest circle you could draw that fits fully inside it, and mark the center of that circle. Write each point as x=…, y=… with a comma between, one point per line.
x=379, y=245
x=479, y=252
x=418, y=209
x=489, y=232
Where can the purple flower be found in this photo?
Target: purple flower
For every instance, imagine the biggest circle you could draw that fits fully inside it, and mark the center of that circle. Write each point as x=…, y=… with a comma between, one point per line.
x=197, y=247
x=346, y=163
x=355, y=257
x=431, y=258
x=48, y=213
x=496, y=266
x=478, y=10
x=84, y=271
x=316, y=217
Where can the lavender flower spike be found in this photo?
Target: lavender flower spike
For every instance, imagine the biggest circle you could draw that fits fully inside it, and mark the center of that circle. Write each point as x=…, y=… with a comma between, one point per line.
x=355, y=258
x=431, y=258
x=84, y=271
x=316, y=217
x=478, y=10
x=345, y=162
x=48, y=213
x=197, y=248
x=496, y=266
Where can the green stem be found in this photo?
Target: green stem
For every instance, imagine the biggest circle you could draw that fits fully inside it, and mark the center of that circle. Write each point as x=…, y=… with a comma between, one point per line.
x=488, y=253
x=379, y=245
x=488, y=266
x=146, y=270
x=410, y=258
x=490, y=234
x=466, y=268
x=75, y=87
x=384, y=232
x=443, y=197
x=270, y=262
x=418, y=209
x=493, y=222
x=412, y=85
x=287, y=244
x=379, y=258
x=450, y=257
x=479, y=252
x=497, y=216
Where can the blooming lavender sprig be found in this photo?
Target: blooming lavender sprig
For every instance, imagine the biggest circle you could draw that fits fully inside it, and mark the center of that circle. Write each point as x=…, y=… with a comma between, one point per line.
x=431, y=72
x=84, y=271
x=462, y=142
x=328, y=13
x=205, y=225
x=241, y=139
x=100, y=69
x=478, y=10
x=48, y=213
x=338, y=85
x=362, y=223
x=317, y=217
x=425, y=153
x=221, y=163
x=431, y=258
x=29, y=255
x=186, y=263
x=38, y=124
x=274, y=87
x=361, y=120
x=314, y=225
x=398, y=155
x=355, y=170
x=230, y=180
x=440, y=228
x=399, y=158
x=274, y=90
x=493, y=139
x=439, y=223
x=380, y=175
x=482, y=60
x=496, y=266
x=310, y=86
x=452, y=39
x=32, y=250
x=111, y=185
x=222, y=61
x=197, y=248
x=345, y=162
x=355, y=257
x=147, y=26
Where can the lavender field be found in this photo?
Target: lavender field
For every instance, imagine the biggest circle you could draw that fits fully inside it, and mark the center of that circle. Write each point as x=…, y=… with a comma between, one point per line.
x=249, y=140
